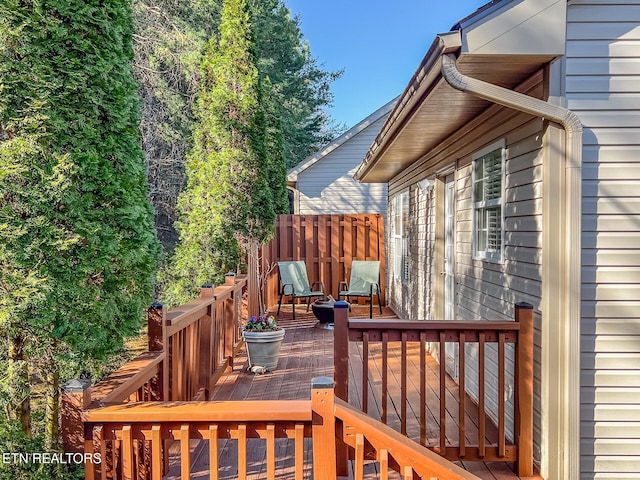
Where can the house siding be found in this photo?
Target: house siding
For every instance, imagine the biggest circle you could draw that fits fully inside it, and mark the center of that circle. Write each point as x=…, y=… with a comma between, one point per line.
x=328, y=187
x=484, y=290
x=602, y=88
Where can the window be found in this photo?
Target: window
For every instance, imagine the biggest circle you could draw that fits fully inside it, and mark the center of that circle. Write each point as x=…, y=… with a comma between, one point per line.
x=401, y=237
x=488, y=187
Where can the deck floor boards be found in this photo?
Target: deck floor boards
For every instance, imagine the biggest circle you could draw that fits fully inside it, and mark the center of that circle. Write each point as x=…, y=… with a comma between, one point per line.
x=307, y=352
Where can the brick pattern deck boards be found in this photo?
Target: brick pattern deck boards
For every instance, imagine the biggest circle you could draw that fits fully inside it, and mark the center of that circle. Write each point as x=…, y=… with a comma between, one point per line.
x=307, y=352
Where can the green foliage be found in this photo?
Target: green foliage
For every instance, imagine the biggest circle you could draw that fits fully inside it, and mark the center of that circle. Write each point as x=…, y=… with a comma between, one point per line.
x=227, y=200
x=170, y=38
x=78, y=251
x=301, y=87
x=13, y=440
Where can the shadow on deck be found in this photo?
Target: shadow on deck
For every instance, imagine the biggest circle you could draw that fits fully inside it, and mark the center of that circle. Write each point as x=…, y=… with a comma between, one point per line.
x=307, y=352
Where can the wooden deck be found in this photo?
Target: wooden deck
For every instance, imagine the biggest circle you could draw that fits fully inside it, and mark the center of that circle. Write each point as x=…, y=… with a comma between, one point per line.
x=307, y=352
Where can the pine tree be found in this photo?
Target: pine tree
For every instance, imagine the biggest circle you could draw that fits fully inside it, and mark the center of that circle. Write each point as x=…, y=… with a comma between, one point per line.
x=227, y=202
x=78, y=251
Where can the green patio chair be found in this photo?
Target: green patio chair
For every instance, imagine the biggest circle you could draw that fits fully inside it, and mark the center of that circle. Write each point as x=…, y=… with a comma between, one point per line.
x=364, y=282
x=295, y=283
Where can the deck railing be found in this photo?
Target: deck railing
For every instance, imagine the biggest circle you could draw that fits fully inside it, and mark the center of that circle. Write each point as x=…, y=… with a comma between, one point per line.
x=405, y=335
x=132, y=440
x=189, y=348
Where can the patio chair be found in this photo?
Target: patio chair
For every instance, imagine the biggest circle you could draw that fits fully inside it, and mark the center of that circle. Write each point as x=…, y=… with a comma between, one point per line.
x=364, y=282
x=295, y=283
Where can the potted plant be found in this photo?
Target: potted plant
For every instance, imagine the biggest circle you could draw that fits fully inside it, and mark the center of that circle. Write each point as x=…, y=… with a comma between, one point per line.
x=263, y=338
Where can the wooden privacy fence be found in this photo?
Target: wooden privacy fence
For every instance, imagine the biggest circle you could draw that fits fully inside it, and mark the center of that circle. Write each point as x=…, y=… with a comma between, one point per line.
x=270, y=439
x=394, y=339
x=189, y=348
x=328, y=244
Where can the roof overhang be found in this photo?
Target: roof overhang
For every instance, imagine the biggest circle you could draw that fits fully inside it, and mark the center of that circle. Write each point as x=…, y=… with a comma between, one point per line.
x=504, y=43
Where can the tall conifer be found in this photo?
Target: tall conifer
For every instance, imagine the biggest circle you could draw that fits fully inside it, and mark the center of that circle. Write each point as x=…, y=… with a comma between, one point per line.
x=78, y=251
x=227, y=202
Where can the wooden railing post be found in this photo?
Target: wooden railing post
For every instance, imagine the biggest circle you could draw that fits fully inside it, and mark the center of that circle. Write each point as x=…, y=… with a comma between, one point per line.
x=253, y=283
x=157, y=333
x=230, y=325
x=524, y=398
x=323, y=428
x=341, y=373
x=341, y=349
x=205, y=342
x=76, y=397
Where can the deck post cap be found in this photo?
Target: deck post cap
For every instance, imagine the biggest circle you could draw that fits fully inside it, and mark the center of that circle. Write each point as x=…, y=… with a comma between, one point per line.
x=156, y=305
x=321, y=382
x=76, y=385
x=341, y=304
x=524, y=305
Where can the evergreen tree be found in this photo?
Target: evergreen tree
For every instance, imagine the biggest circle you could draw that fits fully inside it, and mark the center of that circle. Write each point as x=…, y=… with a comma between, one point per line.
x=78, y=251
x=301, y=88
x=227, y=202
x=170, y=39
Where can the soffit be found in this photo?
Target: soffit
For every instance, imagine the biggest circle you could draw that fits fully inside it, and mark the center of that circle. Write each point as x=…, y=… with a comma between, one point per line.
x=442, y=110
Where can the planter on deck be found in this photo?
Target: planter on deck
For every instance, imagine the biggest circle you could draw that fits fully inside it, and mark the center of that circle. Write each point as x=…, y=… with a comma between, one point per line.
x=263, y=347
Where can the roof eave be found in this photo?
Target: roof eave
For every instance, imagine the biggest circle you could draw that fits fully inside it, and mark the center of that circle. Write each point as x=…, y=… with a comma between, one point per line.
x=427, y=74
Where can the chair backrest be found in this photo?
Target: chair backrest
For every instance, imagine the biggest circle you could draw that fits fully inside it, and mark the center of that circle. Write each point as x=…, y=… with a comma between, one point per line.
x=294, y=273
x=364, y=273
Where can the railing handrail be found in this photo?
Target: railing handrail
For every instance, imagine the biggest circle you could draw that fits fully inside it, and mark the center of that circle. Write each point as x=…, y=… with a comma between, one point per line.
x=127, y=379
x=323, y=418
x=404, y=451
x=518, y=332
x=181, y=317
x=204, y=411
x=474, y=325
x=188, y=349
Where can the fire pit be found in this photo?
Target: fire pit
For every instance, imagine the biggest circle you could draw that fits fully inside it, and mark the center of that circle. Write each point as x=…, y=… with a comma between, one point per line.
x=323, y=311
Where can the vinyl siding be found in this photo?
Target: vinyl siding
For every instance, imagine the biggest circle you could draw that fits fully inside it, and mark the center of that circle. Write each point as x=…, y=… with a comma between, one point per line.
x=483, y=290
x=603, y=88
x=328, y=187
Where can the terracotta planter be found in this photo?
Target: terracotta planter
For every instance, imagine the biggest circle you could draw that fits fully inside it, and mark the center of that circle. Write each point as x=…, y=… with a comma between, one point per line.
x=263, y=347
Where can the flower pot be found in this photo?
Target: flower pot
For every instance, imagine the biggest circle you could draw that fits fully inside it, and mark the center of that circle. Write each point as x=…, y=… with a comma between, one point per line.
x=263, y=347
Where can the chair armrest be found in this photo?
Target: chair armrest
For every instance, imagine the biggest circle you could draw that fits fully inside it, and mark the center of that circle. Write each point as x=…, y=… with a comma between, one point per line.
x=293, y=290
x=318, y=283
x=346, y=286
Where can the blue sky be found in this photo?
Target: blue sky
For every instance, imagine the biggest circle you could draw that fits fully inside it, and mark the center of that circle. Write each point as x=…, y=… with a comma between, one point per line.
x=378, y=43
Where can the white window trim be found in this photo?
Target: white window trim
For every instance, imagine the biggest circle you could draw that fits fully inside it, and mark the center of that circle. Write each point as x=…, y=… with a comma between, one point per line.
x=483, y=255
x=398, y=260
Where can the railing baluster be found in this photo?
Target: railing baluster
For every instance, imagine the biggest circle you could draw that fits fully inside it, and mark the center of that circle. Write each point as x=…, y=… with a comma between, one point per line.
x=403, y=384
x=299, y=451
x=383, y=458
x=365, y=372
x=501, y=422
x=213, y=451
x=481, y=411
x=185, y=454
x=461, y=395
x=271, y=452
x=127, y=453
x=407, y=473
x=104, y=454
x=359, y=460
x=156, y=453
x=385, y=386
x=423, y=388
x=443, y=396
x=242, y=452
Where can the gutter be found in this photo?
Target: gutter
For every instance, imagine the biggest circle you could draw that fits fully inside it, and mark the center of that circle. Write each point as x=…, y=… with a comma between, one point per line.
x=419, y=85
x=569, y=296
